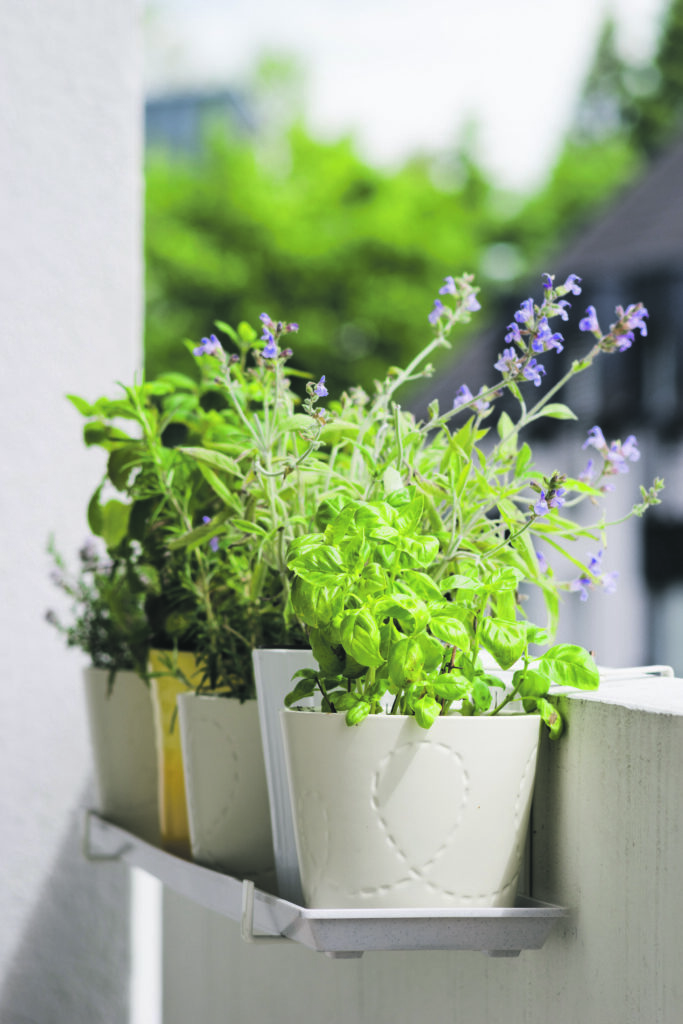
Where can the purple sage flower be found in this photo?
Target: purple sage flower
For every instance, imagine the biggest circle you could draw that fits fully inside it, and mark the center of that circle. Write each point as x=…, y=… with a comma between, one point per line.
x=633, y=319
x=320, y=390
x=590, y=321
x=213, y=543
x=545, y=339
x=271, y=350
x=572, y=284
x=448, y=287
x=533, y=371
x=514, y=335
x=525, y=313
x=472, y=303
x=595, y=439
x=465, y=397
x=541, y=507
x=437, y=312
x=508, y=362
x=542, y=563
x=207, y=347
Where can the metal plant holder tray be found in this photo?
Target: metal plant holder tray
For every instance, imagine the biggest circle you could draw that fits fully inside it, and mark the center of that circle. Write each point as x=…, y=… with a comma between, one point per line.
x=266, y=918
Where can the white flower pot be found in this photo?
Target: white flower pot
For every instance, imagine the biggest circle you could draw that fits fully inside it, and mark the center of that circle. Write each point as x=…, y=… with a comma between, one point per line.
x=387, y=814
x=122, y=738
x=274, y=669
x=225, y=784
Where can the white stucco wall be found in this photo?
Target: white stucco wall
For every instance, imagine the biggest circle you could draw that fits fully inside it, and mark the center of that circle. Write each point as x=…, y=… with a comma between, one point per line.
x=70, y=294
x=606, y=842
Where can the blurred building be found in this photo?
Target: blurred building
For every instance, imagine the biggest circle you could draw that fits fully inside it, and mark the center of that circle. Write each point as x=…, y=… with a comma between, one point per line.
x=180, y=121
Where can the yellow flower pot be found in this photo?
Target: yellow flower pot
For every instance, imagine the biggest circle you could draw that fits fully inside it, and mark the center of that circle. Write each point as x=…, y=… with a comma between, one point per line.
x=165, y=687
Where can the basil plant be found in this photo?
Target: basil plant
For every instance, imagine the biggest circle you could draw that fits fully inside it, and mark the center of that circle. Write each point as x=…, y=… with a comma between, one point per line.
x=388, y=638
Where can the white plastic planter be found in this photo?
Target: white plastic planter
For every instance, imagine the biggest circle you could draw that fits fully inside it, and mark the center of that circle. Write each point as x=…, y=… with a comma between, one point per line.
x=274, y=669
x=124, y=754
x=225, y=784
x=387, y=814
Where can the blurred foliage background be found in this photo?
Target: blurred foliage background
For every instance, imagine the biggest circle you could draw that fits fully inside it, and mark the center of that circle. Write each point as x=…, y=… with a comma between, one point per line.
x=276, y=220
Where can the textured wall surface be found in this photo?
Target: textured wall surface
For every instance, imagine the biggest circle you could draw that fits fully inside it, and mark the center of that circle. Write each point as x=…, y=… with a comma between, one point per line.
x=70, y=293
x=606, y=842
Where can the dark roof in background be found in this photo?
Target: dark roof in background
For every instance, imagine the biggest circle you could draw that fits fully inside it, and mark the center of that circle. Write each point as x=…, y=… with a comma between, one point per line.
x=643, y=228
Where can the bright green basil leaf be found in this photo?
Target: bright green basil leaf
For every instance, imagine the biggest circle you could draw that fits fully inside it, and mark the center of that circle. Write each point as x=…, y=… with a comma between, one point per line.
x=506, y=641
x=360, y=637
x=450, y=629
x=331, y=661
x=551, y=716
x=421, y=584
x=356, y=714
x=481, y=695
x=450, y=686
x=426, y=711
x=406, y=662
x=570, y=665
x=305, y=687
x=532, y=683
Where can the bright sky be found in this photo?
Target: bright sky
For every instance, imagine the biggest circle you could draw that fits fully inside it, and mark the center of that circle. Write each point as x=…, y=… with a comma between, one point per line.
x=405, y=75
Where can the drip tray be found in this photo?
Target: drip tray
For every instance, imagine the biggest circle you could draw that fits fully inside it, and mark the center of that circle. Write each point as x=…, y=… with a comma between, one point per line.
x=265, y=918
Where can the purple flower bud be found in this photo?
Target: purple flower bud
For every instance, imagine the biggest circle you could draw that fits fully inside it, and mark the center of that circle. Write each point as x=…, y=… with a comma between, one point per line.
x=508, y=362
x=437, y=312
x=465, y=397
x=213, y=543
x=533, y=371
x=547, y=282
x=525, y=313
x=595, y=439
x=542, y=563
x=545, y=339
x=271, y=350
x=541, y=506
x=572, y=284
x=292, y=327
x=590, y=321
x=633, y=319
x=514, y=335
x=208, y=347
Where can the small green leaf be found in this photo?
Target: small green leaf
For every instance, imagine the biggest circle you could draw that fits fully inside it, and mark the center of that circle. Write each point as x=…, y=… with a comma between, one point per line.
x=506, y=641
x=406, y=662
x=450, y=629
x=361, y=638
x=216, y=460
x=304, y=688
x=551, y=716
x=570, y=665
x=356, y=714
x=85, y=408
x=533, y=683
x=247, y=527
x=426, y=711
x=557, y=411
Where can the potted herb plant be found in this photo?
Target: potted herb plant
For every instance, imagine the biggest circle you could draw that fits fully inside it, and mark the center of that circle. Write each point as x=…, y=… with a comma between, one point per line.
x=108, y=623
x=160, y=495
x=412, y=598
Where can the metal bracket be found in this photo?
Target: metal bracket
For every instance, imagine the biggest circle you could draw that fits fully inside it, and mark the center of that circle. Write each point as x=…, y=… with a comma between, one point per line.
x=86, y=845
x=247, y=920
